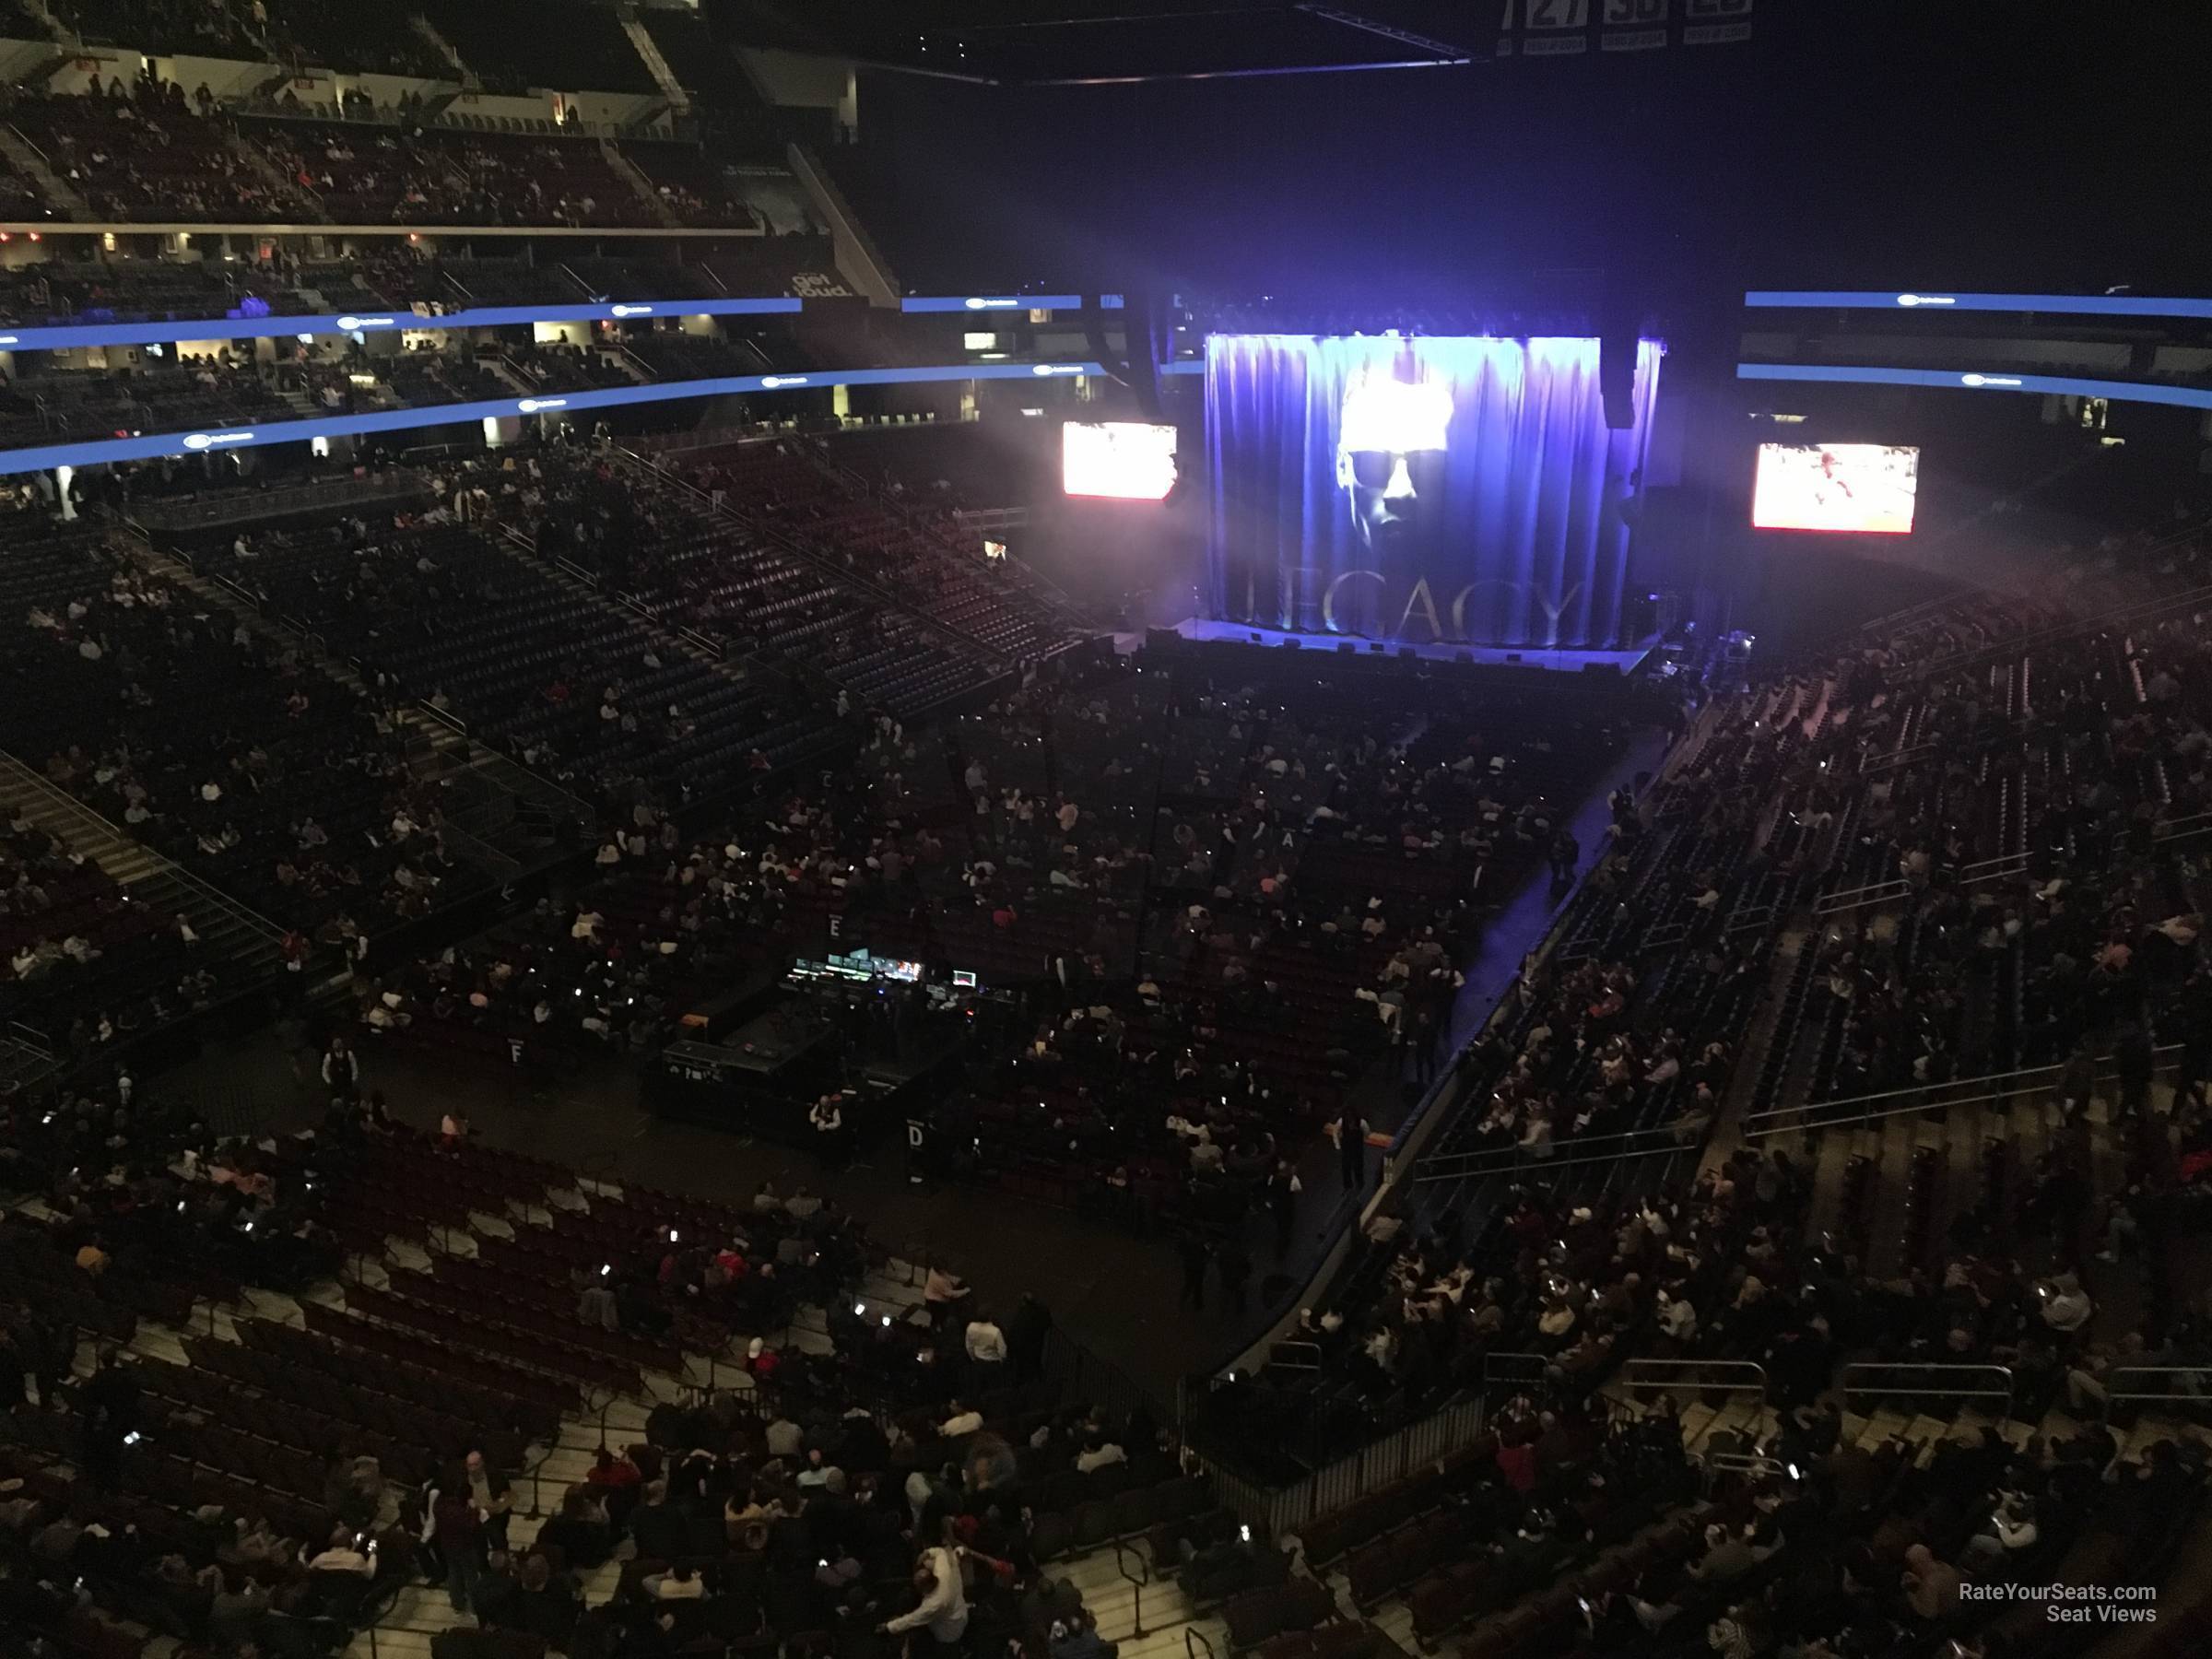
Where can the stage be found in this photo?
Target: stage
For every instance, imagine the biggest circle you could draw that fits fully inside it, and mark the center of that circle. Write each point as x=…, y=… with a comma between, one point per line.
x=1200, y=631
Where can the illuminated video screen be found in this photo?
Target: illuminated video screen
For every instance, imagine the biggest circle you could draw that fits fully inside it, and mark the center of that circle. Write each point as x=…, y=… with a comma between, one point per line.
x=1123, y=460
x=1865, y=489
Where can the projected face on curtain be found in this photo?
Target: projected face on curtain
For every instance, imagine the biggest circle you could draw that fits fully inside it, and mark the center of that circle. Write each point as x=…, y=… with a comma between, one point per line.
x=1427, y=490
x=1391, y=439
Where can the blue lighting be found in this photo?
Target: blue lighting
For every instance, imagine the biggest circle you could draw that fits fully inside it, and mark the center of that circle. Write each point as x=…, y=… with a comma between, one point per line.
x=59, y=337
x=984, y=303
x=2064, y=386
x=157, y=444
x=1940, y=300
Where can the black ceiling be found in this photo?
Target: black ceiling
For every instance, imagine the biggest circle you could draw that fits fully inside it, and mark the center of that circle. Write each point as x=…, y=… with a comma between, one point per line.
x=1103, y=41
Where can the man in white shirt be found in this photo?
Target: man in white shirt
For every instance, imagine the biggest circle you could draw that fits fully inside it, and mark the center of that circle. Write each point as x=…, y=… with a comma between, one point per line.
x=944, y=1605
x=986, y=1342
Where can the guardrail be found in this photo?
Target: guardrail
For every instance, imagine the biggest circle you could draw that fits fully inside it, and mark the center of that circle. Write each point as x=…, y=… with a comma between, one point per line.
x=1881, y=892
x=1295, y=1356
x=1875, y=1380
x=1512, y=1369
x=1285, y=1509
x=256, y=924
x=1697, y=1376
x=1578, y=1150
x=1857, y=1111
x=2129, y=1384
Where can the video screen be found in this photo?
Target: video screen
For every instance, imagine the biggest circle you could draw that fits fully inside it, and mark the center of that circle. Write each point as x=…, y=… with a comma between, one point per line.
x=1124, y=460
x=1867, y=488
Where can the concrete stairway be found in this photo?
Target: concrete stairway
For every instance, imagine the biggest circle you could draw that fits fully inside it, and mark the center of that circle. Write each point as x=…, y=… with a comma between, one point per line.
x=442, y=46
x=639, y=183
x=27, y=161
x=500, y=810
x=663, y=74
x=228, y=929
x=256, y=162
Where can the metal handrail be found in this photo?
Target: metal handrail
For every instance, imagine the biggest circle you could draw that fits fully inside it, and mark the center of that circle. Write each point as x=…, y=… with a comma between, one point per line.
x=2004, y=1086
x=2113, y=1389
x=202, y=890
x=1493, y=1373
x=1942, y=1381
x=1732, y=1376
x=1299, y=1362
x=1137, y=1581
x=1758, y=1466
x=1878, y=892
x=1579, y=1150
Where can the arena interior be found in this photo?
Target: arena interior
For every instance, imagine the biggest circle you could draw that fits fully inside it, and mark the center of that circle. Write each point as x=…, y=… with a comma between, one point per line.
x=1103, y=830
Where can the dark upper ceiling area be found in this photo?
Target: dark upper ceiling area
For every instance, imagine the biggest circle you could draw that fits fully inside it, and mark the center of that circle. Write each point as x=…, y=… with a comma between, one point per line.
x=1044, y=42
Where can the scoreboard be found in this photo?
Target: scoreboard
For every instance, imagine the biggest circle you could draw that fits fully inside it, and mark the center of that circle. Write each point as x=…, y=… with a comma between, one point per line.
x=1564, y=28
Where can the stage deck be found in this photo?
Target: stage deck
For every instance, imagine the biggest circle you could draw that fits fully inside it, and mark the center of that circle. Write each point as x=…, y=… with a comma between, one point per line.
x=1523, y=656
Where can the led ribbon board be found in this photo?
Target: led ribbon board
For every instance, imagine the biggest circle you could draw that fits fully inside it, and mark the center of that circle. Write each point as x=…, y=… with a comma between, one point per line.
x=983, y=304
x=59, y=336
x=152, y=446
x=1940, y=301
x=2062, y=385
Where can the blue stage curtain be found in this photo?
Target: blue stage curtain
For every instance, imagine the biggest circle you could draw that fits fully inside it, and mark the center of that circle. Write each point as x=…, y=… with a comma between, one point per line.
x=1469, y=490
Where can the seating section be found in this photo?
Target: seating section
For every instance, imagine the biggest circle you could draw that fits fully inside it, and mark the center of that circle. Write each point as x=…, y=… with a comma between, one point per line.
x=151, y=156
x=271, y=781
x=831, y=513
x=83, y=962
x=170, y=28
x=199, y=392
x=681, y=558
x=574, y=688
x=367, y=39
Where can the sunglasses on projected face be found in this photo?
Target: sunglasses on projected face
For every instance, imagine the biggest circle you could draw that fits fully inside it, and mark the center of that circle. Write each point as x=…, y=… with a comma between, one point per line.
x=1372, y=469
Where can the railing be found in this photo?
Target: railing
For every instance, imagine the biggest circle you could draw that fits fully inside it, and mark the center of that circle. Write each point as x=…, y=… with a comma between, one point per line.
x=444, y=717
x=243, y=505
x=1875, y=1381
x=212, y=897
x=1559, y=1155
x=1698, y=1376
x=1085, y=1376
x=1513, y=1371
x=1285, y=1509
x=2132, y=1385
x=30, y=1037
x=1857, y=1111
x=1295, y=1356
x=1742, y=1465
x=1881, y=892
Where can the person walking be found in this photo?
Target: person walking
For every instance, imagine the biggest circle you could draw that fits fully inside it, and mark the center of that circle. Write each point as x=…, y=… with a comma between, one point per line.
x=1350, y=1132
x=1196, y=1255
x=1235, y=1263
x=1283, y=1188
x=1026, y=1334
